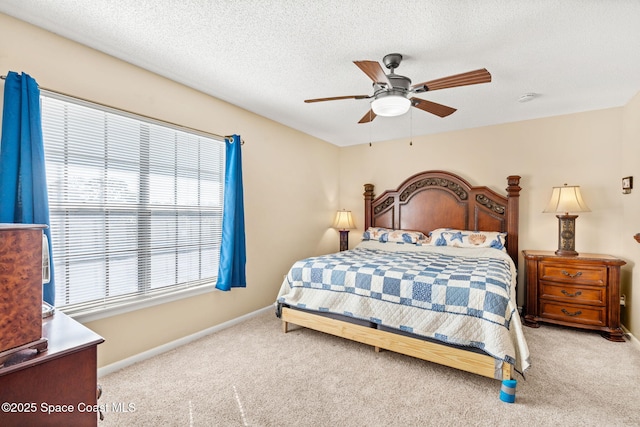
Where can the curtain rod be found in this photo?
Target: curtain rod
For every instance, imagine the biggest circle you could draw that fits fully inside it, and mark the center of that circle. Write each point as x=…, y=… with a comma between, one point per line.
x=3, y=77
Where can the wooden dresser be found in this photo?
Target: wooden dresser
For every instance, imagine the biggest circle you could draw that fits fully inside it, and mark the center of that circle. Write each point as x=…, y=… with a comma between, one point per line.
x=56, y=387
x=581, y=291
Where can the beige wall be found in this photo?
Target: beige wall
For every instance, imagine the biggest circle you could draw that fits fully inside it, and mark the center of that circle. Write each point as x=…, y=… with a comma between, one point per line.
x=291, y=184
x=587, y=149
x=630, y=166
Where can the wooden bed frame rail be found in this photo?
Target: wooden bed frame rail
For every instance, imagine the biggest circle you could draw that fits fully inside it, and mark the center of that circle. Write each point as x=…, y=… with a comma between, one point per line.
x=476, y=363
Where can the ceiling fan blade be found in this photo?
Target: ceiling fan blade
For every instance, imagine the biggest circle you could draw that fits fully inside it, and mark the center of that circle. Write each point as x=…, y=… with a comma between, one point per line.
x=432, y=107
x=374, y=70
x=368, y=117
x=336, y=98
x=463, y=79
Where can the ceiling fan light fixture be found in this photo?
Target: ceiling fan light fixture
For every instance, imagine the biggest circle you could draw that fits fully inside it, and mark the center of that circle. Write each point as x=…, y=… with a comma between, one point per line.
x=390, y=105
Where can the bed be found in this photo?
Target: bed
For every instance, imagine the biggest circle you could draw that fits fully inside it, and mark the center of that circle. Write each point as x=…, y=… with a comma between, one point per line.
x=433, y=278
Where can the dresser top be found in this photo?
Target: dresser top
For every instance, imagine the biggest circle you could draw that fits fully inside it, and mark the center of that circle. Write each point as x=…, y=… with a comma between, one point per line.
x=608, y=259
x=64, y=336
x=7, y=226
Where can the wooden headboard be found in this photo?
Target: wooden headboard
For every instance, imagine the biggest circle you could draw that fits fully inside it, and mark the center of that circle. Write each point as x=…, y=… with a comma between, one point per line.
x=439, y=199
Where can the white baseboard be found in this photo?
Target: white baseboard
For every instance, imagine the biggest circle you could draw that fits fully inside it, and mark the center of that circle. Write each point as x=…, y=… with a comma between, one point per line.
x=633, y=339
x=105, y=370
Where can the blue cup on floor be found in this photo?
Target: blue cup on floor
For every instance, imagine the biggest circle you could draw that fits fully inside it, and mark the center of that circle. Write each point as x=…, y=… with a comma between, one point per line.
x=508, y=391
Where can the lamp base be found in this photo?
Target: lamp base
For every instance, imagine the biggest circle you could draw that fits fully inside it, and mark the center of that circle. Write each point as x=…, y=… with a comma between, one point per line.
x=344, y=240
x=561, y=252
x=566, y=235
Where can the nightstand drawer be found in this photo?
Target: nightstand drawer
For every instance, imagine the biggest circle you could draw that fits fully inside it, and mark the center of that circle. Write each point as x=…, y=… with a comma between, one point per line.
x=594, y=275
x=594, y=316
x=573, y=294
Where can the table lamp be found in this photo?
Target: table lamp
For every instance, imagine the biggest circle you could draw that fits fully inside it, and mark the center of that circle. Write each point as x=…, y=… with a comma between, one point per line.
x=564, y=200
x=344, y=222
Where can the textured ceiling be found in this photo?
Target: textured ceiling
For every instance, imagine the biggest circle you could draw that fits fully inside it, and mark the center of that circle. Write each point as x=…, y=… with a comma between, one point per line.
x=268, y=56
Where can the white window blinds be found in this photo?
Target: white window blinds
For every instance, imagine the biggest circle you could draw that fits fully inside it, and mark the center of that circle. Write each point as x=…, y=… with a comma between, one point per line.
x=135, y=204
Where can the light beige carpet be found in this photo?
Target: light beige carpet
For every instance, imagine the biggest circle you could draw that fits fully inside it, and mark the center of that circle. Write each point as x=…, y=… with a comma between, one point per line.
x=253, y=374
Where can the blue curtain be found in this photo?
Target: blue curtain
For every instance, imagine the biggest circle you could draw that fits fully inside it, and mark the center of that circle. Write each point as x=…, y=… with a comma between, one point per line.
x=23, y=183
x=233, y=253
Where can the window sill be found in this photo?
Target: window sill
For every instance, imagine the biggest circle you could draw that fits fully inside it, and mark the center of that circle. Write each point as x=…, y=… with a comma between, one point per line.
x=145, y=302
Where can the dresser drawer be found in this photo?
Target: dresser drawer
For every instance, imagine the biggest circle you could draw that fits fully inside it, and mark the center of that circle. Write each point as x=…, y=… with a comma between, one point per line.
x=586, y=315
x=572, y=294
x=586, y=274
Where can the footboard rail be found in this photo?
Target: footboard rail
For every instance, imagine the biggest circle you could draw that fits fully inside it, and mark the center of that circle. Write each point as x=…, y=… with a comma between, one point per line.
x=476, y=363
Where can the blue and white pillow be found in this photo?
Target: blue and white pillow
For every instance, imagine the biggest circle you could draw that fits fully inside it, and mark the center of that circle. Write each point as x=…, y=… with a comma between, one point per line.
x=385, y=235
x=468, y=238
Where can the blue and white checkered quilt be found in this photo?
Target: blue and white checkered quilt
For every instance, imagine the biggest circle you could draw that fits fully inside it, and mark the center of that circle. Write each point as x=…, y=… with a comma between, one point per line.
x=455, y=295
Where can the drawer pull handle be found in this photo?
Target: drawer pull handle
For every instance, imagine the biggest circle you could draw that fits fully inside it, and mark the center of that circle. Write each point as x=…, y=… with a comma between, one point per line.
x=573, y=276
x=577, y=313
x=577, y=294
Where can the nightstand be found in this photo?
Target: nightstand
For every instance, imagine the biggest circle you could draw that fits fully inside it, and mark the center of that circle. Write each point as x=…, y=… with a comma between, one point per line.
x=580, y=291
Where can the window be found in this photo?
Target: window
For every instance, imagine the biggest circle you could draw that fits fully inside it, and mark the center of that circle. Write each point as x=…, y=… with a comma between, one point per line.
x=135, y=205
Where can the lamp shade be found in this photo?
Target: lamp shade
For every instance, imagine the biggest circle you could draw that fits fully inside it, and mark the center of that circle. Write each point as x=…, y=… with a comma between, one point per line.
x=566, y=199
x=390, y=105
x=344, y=220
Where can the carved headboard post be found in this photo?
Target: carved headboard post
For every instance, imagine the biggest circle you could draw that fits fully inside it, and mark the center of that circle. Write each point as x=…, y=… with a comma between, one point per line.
x=513, y=205
x=368, y=198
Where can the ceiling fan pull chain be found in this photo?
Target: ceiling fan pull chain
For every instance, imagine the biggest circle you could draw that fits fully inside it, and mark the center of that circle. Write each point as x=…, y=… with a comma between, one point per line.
x=411, y=127
x=370, y=127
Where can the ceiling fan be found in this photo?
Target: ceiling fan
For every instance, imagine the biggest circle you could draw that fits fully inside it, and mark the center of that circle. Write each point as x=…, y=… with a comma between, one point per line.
x=391, y=92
